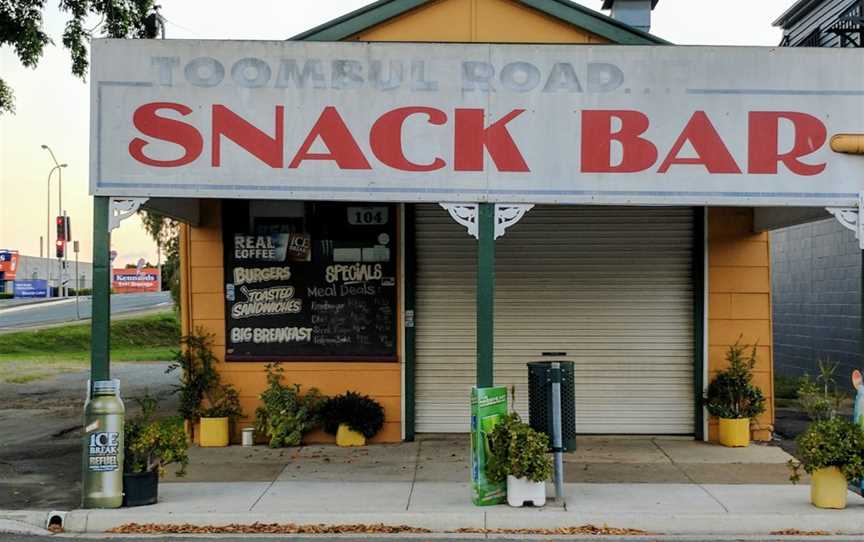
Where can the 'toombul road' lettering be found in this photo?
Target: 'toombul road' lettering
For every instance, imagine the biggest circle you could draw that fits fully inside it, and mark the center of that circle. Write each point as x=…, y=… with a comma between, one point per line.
x=475, y=135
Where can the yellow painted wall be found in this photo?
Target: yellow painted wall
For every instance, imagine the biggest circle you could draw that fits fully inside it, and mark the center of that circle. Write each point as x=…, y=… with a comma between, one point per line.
x=739, y=264
x=739, y=301
x=201, y=247
x=205, y=310
x=495, y=21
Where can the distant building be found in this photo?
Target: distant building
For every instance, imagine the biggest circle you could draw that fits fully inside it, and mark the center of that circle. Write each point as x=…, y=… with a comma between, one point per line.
x=816, y=267
x=34, y=267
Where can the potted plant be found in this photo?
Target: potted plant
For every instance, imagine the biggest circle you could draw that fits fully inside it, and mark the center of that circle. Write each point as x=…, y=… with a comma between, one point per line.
x=352, y=417
x=223, y=408
x=518, y=454
x=832, y=453
x=200, y=385
x=149, y=446
x=733, y=398
x=286, y=413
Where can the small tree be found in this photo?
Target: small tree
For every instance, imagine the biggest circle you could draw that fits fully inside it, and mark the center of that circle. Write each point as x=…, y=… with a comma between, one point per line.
x=821, y=399
x=731, y=394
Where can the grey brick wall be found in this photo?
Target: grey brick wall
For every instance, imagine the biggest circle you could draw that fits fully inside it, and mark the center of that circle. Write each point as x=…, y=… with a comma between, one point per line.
x=815, y=284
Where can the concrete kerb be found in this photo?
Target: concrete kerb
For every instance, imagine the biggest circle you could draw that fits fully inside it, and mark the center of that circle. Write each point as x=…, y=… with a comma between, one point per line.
x=733, y=525
x=24, y=522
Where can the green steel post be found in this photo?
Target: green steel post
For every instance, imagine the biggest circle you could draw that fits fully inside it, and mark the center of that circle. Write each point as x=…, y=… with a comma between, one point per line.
x=100, y=345
x=410, y=278
x=698, y=320
x=485, y=293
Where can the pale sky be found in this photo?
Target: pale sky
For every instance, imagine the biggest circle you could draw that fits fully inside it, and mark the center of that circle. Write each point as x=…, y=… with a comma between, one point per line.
x=53, y=106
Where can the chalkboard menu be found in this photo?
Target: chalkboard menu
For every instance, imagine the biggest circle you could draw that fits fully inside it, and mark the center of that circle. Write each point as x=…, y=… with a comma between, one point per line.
x=310, y=281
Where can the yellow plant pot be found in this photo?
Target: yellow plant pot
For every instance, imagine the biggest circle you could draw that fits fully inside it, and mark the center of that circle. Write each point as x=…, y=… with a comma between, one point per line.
x=213, y=432
x=735, y=433
x=346, y=437
x=828, y=488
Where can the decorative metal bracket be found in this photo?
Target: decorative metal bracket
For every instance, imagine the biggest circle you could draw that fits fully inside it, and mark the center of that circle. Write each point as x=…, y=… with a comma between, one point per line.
x=121, y=209
x=464, y=214
x=506, y=215
x=850, y=218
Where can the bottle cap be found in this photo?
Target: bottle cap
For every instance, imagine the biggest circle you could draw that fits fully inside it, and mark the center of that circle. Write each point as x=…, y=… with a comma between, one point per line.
x=106, y=387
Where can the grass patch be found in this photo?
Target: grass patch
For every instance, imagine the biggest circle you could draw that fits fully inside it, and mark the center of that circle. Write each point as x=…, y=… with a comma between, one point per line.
x=147, y=338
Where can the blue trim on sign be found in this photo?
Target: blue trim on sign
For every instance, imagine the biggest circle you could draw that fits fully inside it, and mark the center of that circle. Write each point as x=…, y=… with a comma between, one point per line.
x=774, y=92
x=373, y=189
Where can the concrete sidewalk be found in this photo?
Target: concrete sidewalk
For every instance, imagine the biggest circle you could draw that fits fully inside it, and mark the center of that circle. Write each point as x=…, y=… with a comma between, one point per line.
x=659, y=485
x=445, y=506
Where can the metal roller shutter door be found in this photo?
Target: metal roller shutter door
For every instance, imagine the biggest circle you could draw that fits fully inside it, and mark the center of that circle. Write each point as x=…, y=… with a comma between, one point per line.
x=610, y=286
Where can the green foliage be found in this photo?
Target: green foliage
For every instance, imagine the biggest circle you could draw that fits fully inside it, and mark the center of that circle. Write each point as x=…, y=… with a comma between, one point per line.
x=360, y=413
x=820, y=399
x=517, y=450
x=786, y=387
x=165, y=231
x=201, y=392
x=21, y=29
x=834, y=442
x=223, y=401
x=154, y=444
x=6, y=295
x=732, y=394
x=286, y=414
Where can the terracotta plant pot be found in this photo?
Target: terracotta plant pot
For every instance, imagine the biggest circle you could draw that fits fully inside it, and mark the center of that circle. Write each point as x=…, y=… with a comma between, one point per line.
x=828, y=488
x=735, y=433
x=346, y=437
x=213, y=433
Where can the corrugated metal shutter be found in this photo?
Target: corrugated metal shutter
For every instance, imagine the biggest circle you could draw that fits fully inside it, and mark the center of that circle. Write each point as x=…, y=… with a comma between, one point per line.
x=610, y=286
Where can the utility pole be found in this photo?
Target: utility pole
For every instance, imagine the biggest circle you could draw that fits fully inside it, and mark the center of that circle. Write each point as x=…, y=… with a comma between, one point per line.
x=77, y=281
x=58, y=167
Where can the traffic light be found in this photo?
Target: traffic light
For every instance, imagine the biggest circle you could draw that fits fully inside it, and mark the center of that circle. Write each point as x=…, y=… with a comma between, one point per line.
x=61, y=247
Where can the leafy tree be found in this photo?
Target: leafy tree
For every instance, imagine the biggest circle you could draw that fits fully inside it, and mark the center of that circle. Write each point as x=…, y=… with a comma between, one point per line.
x=21, y=29
x=166, y=232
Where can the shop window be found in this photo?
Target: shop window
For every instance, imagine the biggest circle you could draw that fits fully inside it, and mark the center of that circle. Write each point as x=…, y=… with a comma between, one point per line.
x=310, y=281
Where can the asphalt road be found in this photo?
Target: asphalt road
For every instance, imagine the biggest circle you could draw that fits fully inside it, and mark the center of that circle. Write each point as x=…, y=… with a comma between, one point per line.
x=65, y=310
x=40, y=437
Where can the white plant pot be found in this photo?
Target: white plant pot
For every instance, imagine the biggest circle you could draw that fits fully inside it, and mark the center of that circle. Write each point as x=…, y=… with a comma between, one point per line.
x=521, y=491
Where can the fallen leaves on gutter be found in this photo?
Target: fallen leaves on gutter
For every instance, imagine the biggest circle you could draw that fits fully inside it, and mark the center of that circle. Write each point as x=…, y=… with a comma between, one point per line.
x=584, y=530
x=796, y=532
x=263, y=528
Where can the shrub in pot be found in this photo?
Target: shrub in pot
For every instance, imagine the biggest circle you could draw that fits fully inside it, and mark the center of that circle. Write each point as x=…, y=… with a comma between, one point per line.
x=733, y=398
x=832, y=452
x=352, y=417
x=149, y=446
x=519, y=455
x=222, y=410
x=203, y=397
x=286, y=413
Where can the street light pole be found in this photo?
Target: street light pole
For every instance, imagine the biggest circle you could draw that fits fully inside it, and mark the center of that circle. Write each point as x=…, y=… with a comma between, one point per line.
x=59, y=167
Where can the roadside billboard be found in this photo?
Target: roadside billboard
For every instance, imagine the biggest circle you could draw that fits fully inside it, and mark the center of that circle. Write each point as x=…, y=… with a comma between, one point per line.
x=475, y=122
x=128, y=281
x=30, y=288
x=8, y=264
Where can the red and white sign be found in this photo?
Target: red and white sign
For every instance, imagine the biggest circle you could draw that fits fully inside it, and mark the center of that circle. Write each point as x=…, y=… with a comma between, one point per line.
x=128, y=281
x=474, y=122
x=9, y=264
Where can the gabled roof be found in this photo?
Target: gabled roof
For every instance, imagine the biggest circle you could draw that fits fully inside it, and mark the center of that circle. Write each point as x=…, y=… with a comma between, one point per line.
x=795, y=12
x=564, y=10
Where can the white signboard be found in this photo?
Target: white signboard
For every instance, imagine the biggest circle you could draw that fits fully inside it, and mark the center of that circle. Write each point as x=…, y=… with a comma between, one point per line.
x=467, y=123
